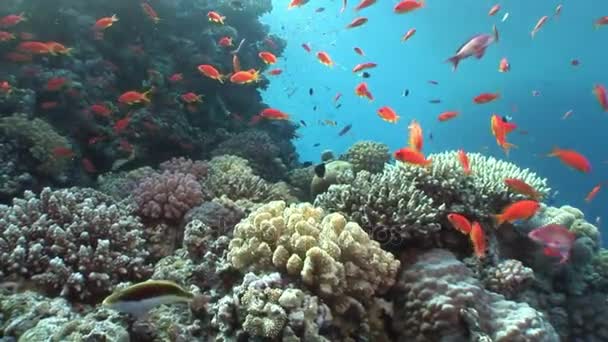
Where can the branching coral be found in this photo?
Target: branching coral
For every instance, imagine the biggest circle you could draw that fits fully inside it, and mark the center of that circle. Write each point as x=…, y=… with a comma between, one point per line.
x=74, y=242
x=168, y=195
x=368, y=155
x=335, y=258
x=433, y=290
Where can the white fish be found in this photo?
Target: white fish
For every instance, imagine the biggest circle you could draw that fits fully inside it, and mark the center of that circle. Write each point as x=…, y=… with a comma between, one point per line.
x=505, y=17
x=538, y=25
x=475, y=46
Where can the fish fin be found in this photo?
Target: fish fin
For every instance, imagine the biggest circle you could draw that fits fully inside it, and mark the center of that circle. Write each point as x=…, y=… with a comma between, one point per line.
x=554, y=152
x=145, y=94
x=320, y=170
x=479, y=54
x=454, y=60
x=495, y=32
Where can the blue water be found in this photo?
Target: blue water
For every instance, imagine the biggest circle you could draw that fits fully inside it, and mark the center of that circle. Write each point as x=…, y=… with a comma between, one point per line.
x=541, y=64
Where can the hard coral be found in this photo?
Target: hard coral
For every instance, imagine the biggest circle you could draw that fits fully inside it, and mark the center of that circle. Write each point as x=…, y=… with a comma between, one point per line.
x=435, y=290
x=184, y=165
x=73, y=242
x=368, y=155
x=168, y=195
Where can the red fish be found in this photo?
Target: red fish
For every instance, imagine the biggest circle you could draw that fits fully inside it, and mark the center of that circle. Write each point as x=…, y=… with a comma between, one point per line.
x=191, y=97
x=363, y=4
x=406, y=6
x=17, y=57
x=358, y=51
x=485, y=98
x=520, y=210
x=100, y=110
x=211, y=72
x=478, y=239
x=500, y=129
x=556, y=239
x=445, y=116
x=267, y=57
x=357, y=22
x=133, y=97
x=150, y=12
x=363, y=66
x=34, y=47
x=572, y=158
x=591, y=195
x=275, y=72
x=600, y=93
x=306, y=47
x=504, y=65
x=56, y=83
x=63, y=152
x=296, y=3
x=415, y=139
x=245, y=76
x=6, y=36
x=225, y=41
x=388, y=114
x=464, y=162
x=362, y=91
x=88, y=166
x=215, y=17
x=49, y=105
x=408, y=34
x=324, y=58
x=11, y=20
x=601, y=22
x=412, y=156
x=121, y=124
x=494, y=10
x=105, y=22
x=273, y=114
x=5, y=87
x=460, y=223
x=521, y=187
x=177, y=77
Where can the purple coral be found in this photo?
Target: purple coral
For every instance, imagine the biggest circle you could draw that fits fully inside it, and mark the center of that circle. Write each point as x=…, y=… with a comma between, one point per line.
x=196, y=168
x=168, y=195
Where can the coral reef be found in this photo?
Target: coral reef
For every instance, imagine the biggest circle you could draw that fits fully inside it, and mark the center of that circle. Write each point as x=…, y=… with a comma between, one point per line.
x=367, y=155
x=77, y=243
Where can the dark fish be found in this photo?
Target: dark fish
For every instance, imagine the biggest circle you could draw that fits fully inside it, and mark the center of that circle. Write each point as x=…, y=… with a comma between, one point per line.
x=307, y=164
x=311, y=91
x=345, y=130
x=316, y=145
x=365, y=74
x=320, y=170
x=406, y=92
x=338, y=106
x=433, y=82
x=320, y=9
x=314, y=108
x=430, y=136
x=303, y=123
x=435, y=101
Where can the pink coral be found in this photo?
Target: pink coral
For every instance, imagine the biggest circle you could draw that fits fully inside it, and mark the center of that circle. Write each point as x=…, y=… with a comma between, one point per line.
x=196, y=168
x=168, y=195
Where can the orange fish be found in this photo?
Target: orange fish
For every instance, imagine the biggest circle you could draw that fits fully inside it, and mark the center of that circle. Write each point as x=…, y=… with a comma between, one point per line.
x=105, y=22
x=485, y=98
x=520, y=210
x=100, y=110
x=408, y=34
x=406, y=6
x=500, y=129
x=572, y=158
x=600, y=93
x=191, y=97
x=591, y=195
x=273, y=114
x=58, y=48
x=362, y=91
x=388, y=114
x=121, y=124
x=216, y=17
x=5, y=87
x=494, y=10
x=504, y=65
x=133, y=97
x=415, y=135
x=601, y=22
x=211, y=72
x=225, y=41
x=34, y=47
x=324, y=58
x=538, y=25
x=6, y=36
x=478, y=240
x=56, y=83
x=150, y=12
x=296, y=3
x=363, y=66
x=177, y=77
x=363, y=4
x=357, y=22
x=11, y=20
x=236, y=63
x=63, y=152
x=267, y=57
x=464, y=162
x=460, y=223
x=412, y=156
x=275, y=72
x=521, y=187
x=244, y=77
x=358, y=51
x=445, y=116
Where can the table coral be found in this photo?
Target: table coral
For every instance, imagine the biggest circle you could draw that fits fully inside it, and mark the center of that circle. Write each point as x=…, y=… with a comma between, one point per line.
x=435, y=287
x=77, y=243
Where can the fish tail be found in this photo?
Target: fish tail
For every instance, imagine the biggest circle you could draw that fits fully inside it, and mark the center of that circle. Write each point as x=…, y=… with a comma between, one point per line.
x=114, y=17
x=454, y=60
x=554, y=152
x=500, y=219
x=507, y=147
x=145, y=95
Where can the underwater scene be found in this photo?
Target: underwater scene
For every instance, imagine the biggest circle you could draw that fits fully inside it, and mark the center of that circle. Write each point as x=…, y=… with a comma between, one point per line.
x=303, y=170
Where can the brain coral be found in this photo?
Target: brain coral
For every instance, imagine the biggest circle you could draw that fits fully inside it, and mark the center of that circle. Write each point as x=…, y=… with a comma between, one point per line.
x=405, y=201
x=74, y=242
x=368, y=155
x=332, y=256
x=167, y=195
x=435, y=289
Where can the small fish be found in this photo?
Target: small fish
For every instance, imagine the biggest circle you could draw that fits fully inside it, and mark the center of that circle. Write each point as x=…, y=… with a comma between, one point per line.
x=225, y=41
x=405, y=92
x=150, y=12
x=460, y=223
x=275, y=72
x=504, y=65
x=494, y=10
x=11, y=20
x=575, y=62
x=306, y=47
x=314, y=108
x=273, y=114
x=296, y=3
x=357, y=22
x=365, y=74
x=191, y=97
x=445, y=116
x=311, y=91
x=478, y=240
x=535, y=93
x=601, y=22
x=337, y=97
x=464, y=162
x=343, y=8
x=567, y=114
x=56, y=83
x=88, y=165
x=601, y=95
x=215, y=17
x=358, y=51
x=435, y=101
x=211, y=72
x=105, y=22
x=5, y=87
x=316, y=145
x=415, y=139
x=303, y=123
x=245, y=76
x=520, y=210
x=320, y=9
x=538, y=25
x=362, y=91
x=267, y=57
x=328, y=122
x=591, y=195
x=139, y=298
x=345, y=130
x=556, y=239
x=407, y=6
x=121, y=124
x=558, y=10
x=133, y=97
x=485, y=98
x=505, y=17
x=364, y=4
x=177, y=77
x=475, y=46
x=411, y=156
x=387, y=114
x=408, y=34
x=433, y=82
x=47, y=105
x=63, y=152
x=523, y=188
x=363, y=66
x=324, y=58
x=572, y=159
